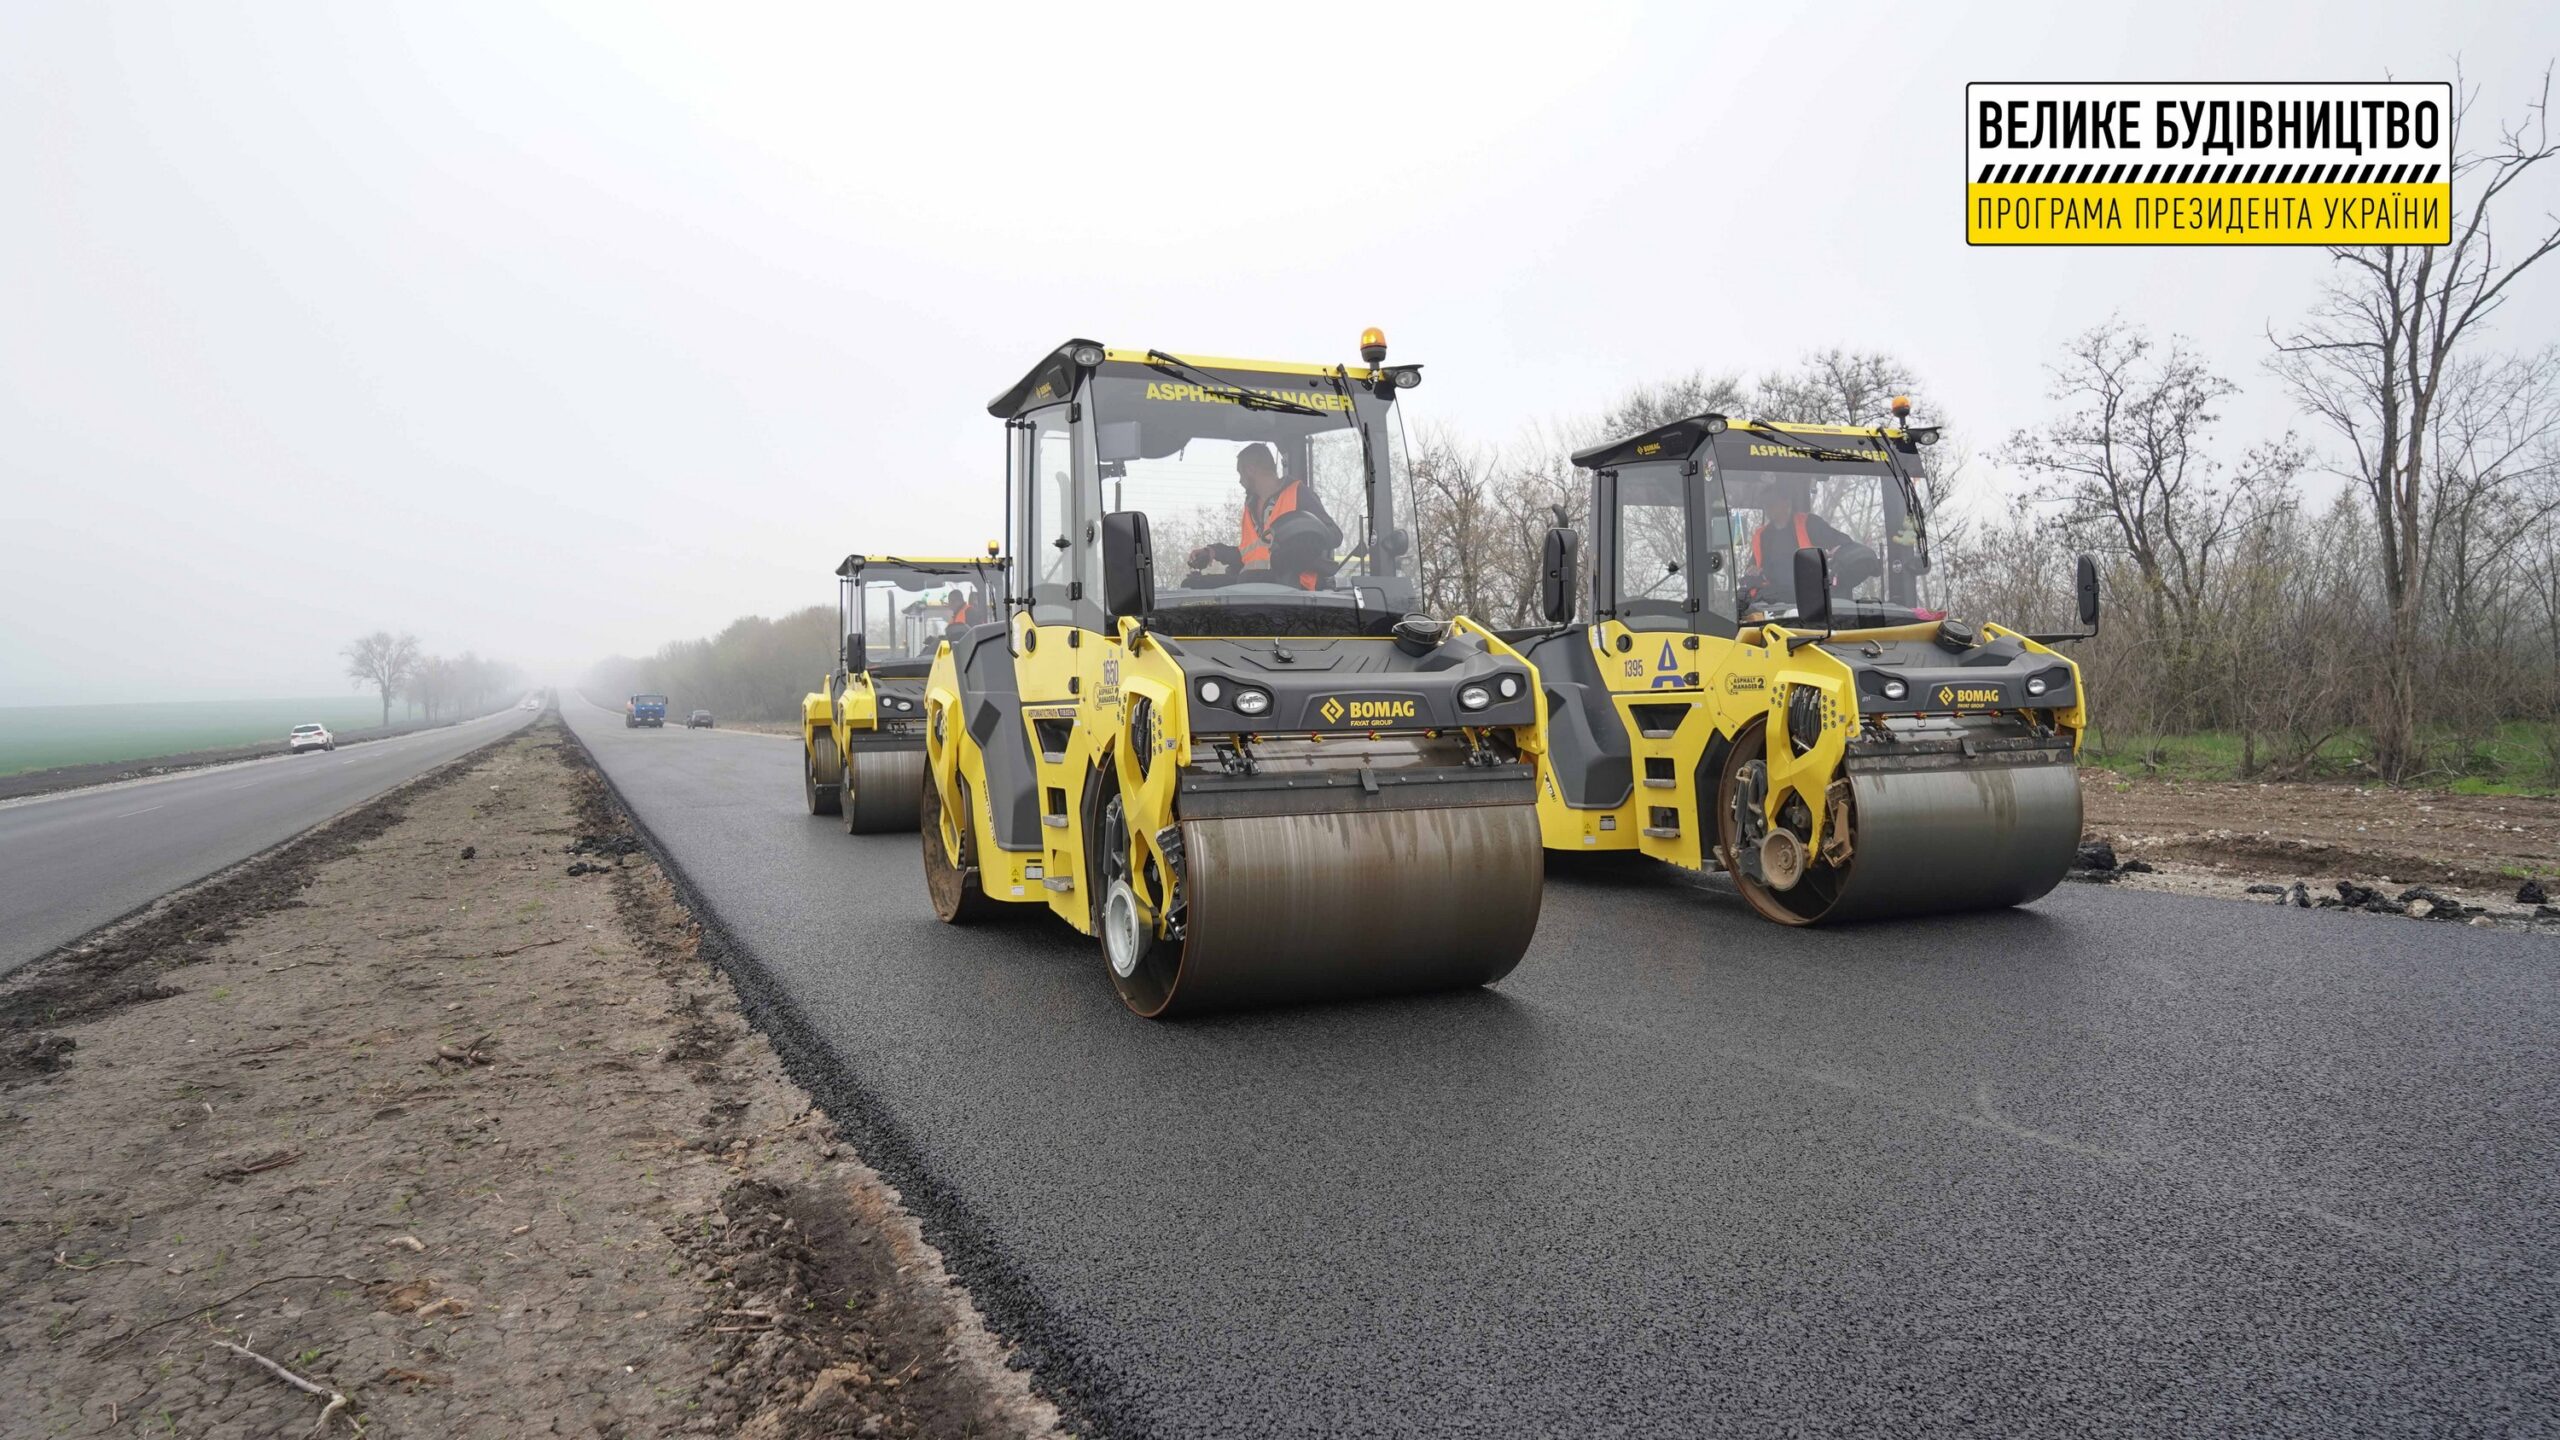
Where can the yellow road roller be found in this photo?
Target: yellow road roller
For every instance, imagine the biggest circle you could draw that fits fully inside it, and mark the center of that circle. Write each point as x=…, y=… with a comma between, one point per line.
x=862, y=729
x=1761, y=685
x=1266, y=779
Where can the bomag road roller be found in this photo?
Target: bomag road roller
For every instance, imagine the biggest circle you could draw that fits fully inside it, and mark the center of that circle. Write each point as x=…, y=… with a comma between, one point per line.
x=1762, y=687
x=1266, y=779
x=862, y=730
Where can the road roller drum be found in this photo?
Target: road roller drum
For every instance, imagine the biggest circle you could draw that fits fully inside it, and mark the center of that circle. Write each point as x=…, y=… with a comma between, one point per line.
x=882, y=788
x=1288, y=908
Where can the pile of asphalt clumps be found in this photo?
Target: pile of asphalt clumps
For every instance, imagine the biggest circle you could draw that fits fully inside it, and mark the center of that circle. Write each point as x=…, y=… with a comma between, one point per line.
x=2418, y=902
x=2096, y=864
x=611, y=847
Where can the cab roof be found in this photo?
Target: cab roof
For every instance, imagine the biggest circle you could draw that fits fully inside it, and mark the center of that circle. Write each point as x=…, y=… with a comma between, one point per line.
x=1054, y=377
x=929, y=564
x=1681, y=438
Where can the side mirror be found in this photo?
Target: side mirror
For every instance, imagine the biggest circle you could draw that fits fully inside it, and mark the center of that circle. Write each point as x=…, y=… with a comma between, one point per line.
x=1557, y=563
x=2086, y=580
x=1128, y=565
x=855, y=654
x=1813, y=586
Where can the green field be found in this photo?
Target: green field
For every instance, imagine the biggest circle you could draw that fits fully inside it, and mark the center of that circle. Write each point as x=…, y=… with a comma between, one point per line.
x=39, y=737
x=2518, y=758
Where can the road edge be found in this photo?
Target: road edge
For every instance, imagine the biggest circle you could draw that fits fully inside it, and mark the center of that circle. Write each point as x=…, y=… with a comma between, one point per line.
x=1007, y=1304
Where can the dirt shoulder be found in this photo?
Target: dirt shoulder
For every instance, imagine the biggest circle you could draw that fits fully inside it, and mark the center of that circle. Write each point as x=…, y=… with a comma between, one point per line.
x=439, y=1109
x=108, y=772
x=2218, y=837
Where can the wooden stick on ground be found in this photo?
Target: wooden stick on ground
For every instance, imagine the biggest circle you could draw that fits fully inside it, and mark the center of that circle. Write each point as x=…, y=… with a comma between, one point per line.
x=337, y=1401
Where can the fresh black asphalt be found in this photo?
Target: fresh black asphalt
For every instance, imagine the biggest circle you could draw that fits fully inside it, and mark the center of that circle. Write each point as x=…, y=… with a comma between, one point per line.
x=2114, y=1164
x=73, y=860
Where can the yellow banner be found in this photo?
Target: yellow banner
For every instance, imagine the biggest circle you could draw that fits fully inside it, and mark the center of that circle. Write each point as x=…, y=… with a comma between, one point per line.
x=2202, y=214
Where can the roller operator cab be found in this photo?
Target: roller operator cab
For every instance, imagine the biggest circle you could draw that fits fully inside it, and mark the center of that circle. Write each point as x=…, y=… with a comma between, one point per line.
x=1761, y=685
x=862, y=729
x=1212, y=731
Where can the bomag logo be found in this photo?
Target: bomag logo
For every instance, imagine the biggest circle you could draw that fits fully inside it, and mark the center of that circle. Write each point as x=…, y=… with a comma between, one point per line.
x=1337, y=710
x=1960, y=695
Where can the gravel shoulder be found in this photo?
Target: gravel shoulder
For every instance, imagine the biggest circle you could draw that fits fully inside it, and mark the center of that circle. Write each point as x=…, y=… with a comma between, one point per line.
x=440, y=1109
x=2220, y=838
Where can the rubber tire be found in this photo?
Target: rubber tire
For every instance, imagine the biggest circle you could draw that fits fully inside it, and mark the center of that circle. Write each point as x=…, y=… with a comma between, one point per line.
x=956, y=894
x=822, y=776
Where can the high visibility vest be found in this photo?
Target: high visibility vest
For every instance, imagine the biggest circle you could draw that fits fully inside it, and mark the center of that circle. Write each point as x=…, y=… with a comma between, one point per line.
x=1804, y=541
x=1253, y=549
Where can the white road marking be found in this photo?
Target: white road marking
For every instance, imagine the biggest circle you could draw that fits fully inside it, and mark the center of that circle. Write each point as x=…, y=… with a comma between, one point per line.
x=145, y=810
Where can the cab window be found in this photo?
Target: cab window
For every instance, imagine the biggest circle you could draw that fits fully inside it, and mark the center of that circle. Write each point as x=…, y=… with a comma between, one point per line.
x=1052, y=550
x=1651, y=574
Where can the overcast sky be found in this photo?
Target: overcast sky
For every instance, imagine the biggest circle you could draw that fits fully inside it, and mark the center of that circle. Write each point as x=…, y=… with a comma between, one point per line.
x=553, y=330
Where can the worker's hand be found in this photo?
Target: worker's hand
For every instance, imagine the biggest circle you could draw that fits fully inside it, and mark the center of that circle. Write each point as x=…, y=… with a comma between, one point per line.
x=1227, y=555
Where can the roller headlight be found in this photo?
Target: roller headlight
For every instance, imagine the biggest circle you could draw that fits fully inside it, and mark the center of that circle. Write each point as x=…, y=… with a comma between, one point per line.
x=1895, y=689
x=1474, y=697
x=1509, y=685
x=1087, y=356
x=2036, y=685
x=1252, y=702
x=1408, y=377
x=1210, y=690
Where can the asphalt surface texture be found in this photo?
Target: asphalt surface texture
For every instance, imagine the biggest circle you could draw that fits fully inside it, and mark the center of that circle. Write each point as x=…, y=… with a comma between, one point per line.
x=74, y=860
x=2111, y=1164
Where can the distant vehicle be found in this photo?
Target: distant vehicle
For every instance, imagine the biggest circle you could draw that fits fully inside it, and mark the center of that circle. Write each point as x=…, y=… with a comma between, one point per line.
x=532, y=703
x=310, y=737
x=698, y=720
x=649, y=710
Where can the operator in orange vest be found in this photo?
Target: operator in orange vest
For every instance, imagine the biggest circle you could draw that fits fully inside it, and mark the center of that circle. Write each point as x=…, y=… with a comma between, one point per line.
x=1787, y=525
x=1267, y=499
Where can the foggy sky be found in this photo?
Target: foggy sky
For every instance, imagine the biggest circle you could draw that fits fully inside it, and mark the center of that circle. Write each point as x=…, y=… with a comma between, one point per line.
x=549, y=331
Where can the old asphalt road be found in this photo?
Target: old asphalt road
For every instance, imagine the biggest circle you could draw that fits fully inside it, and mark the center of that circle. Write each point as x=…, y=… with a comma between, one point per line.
x=2114, y=1164
x=74, y=860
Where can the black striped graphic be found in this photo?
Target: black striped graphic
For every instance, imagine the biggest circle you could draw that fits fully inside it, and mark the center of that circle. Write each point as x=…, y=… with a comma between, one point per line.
x=2224, y=174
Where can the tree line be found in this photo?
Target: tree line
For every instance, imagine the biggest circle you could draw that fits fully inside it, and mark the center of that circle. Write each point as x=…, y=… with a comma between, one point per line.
x=433, y=687
x=754, y=669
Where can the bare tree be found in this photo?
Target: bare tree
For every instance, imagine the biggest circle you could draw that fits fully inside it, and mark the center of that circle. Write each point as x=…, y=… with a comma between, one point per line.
x=384, y=661
x=2378, y=362
x=1836, y=387
x=2130, y=462
x=1696, y=393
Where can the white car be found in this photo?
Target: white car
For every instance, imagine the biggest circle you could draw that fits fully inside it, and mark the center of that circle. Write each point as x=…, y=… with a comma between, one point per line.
x=310, y=737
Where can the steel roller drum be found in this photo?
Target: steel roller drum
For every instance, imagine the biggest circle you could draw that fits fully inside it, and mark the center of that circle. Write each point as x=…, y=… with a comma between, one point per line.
x=1980, y=838
x=882, y=790
x=1288, y=908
